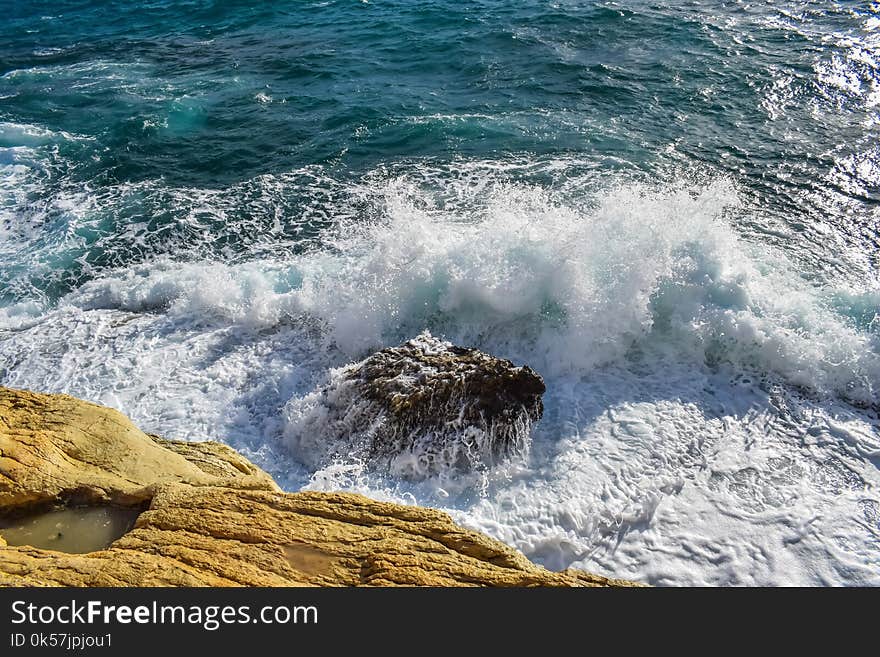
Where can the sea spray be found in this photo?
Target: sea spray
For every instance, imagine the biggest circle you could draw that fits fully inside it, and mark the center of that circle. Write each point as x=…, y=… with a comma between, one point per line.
x=530, y=276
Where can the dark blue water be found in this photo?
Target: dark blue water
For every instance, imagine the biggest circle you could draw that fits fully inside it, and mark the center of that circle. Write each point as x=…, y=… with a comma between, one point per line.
x=204, y=206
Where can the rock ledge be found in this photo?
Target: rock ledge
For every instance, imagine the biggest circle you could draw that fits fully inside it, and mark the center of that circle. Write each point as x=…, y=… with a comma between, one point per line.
x=212, y=518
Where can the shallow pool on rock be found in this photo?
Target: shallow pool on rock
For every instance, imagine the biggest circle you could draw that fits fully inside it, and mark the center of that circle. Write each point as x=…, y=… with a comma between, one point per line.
x=74, y=530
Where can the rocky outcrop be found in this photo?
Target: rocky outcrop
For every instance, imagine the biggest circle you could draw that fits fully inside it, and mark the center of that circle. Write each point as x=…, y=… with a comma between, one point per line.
x=211, y=518
x=54, y=447
x=422, y=408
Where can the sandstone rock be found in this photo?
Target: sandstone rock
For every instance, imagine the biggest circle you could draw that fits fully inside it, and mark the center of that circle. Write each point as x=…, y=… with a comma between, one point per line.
x=212, y=518
x=197, y=536
x=424, y=407
x=56, y=447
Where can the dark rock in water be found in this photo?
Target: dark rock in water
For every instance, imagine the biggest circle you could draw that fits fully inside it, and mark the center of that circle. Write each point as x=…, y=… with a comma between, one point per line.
x=423, y=407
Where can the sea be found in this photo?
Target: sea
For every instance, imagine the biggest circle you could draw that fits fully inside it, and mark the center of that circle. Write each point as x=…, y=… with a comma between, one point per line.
x=669, y=209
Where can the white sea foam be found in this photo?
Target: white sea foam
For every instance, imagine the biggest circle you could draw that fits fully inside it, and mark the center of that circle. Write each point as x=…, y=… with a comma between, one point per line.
x=241, y=295
x=561, y=287
x=698, y=425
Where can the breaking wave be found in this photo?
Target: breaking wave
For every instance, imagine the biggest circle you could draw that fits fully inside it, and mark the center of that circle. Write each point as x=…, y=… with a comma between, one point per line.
x=636, y=271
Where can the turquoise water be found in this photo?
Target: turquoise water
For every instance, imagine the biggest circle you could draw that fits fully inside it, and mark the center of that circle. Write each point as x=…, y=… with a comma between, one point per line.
x=669, y=209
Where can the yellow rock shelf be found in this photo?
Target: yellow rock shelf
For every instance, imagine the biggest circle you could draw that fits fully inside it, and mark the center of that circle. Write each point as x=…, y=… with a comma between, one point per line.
x=212, y=518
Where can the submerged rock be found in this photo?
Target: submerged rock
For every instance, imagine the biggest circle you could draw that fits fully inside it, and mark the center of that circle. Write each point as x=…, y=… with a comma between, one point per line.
x=424, y=407
x=208, y=517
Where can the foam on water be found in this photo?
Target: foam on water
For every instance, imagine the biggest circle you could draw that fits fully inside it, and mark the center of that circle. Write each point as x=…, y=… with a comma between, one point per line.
x=520, y=273
x=700, y=424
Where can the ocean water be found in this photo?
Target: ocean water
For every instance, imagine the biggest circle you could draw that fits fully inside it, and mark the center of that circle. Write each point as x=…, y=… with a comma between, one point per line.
x=671, y=210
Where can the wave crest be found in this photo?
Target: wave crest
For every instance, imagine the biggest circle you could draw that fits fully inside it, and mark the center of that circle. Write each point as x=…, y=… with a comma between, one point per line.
x=519, y=271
